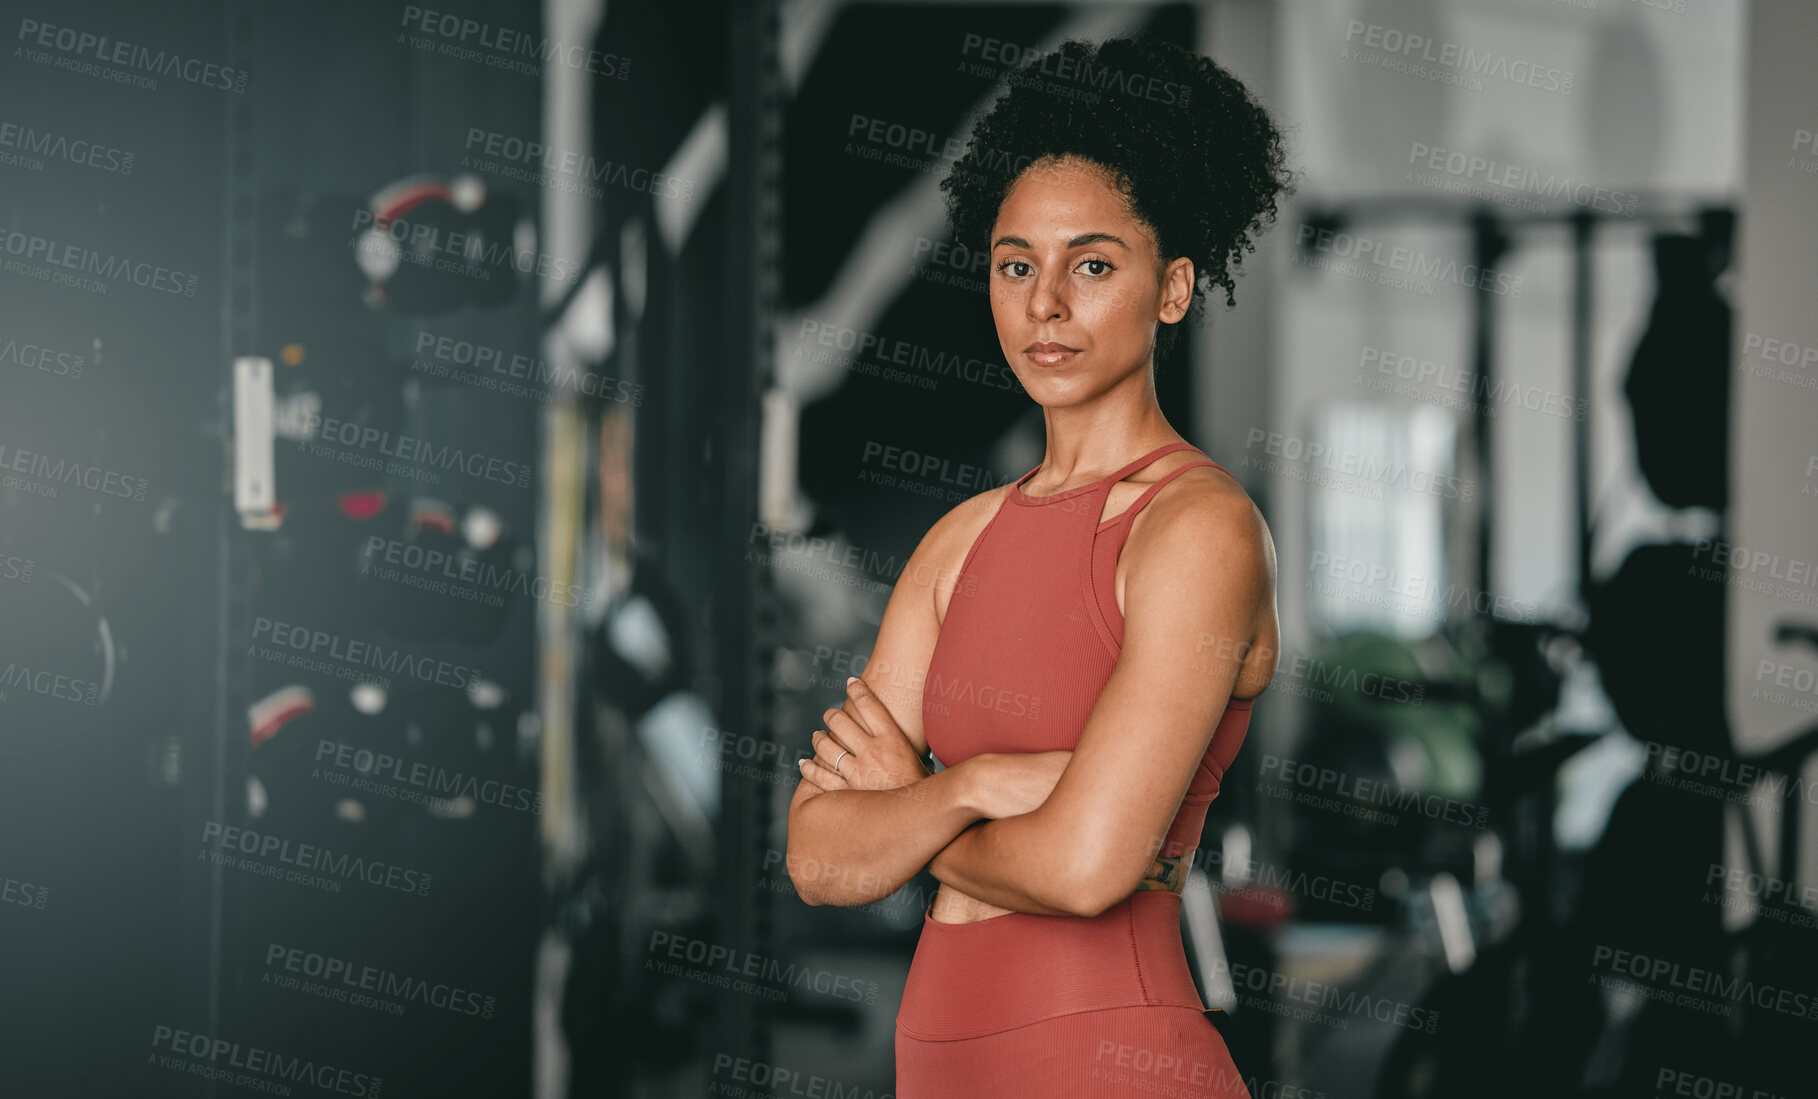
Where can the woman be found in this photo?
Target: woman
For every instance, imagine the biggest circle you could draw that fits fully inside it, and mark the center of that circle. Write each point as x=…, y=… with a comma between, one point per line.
x=1080, y=648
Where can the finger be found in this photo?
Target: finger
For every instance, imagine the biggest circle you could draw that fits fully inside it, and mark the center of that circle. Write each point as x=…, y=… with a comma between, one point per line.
x=851, y=732
x=827, y=747
x=823, y=776
x=828, y=753
x=876, y=716
x=851, y=710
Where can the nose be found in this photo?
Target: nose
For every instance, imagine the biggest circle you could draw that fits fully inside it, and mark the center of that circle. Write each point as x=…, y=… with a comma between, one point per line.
x=1047, y=299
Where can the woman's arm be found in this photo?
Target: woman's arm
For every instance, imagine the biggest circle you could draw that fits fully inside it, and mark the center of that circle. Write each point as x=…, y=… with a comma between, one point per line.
x=872, y=756
x=852, y=845
x=1202, y=578
x=849, y=846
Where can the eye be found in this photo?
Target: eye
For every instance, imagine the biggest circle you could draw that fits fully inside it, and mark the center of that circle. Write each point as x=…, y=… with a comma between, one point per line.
x=1107, y=268
x=1005, y=268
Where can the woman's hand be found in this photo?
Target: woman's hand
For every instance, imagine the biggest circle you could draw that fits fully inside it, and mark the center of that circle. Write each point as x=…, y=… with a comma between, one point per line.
x=1013, y=783
x=866, y=752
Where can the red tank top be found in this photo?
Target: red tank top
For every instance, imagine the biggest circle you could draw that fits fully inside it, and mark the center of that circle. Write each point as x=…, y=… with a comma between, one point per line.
x=1033, y=630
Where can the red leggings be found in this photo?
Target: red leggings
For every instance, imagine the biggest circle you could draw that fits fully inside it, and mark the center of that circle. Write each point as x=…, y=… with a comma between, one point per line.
x=1059, y=1007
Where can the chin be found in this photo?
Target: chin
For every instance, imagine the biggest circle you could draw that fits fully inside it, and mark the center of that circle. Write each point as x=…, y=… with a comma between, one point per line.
x=1052, y=392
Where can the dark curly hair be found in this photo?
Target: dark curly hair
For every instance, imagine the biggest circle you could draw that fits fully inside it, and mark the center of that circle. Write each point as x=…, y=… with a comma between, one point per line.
x=1197, y=157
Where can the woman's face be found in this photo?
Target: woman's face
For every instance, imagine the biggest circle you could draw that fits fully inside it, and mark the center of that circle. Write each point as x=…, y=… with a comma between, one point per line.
x=1077, y=283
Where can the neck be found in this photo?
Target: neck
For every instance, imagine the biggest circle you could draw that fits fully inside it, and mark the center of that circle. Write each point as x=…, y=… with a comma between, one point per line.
x=1104, y=433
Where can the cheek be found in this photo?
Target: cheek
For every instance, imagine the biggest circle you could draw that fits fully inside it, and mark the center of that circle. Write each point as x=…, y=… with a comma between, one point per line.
x=1116, y=305
x=1006, y=316
x=1005, y=304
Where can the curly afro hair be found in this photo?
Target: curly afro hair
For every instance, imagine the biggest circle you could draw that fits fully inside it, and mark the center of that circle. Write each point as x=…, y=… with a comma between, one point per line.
x=1198, y=158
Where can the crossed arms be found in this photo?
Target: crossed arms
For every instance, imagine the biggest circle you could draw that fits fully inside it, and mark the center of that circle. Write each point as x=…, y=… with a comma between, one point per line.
x=1052, y=833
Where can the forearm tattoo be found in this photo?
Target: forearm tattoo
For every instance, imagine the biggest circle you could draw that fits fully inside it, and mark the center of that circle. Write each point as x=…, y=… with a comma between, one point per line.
x=1169, y=875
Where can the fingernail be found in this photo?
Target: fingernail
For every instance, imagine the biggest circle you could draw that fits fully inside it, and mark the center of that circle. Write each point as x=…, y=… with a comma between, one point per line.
x=851, y=679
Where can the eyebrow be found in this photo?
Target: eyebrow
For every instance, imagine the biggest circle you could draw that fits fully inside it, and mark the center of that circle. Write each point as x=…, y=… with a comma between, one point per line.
x=1077, y=242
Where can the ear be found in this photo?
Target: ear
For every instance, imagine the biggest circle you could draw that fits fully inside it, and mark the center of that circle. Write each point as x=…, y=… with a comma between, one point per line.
x=1177, y=290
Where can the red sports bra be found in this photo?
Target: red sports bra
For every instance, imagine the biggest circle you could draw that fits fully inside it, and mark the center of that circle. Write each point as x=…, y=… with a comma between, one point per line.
x=1033, y=631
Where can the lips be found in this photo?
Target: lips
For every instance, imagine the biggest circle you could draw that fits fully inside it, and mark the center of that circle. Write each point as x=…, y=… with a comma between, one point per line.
x=1049, y=354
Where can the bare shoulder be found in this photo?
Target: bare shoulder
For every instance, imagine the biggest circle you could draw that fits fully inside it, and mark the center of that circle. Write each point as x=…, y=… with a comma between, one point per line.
x=1202, y=533
x=969, y=515
x=1207, y=511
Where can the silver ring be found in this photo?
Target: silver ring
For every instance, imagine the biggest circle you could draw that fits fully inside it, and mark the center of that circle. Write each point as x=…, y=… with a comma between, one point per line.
x=836, y=763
